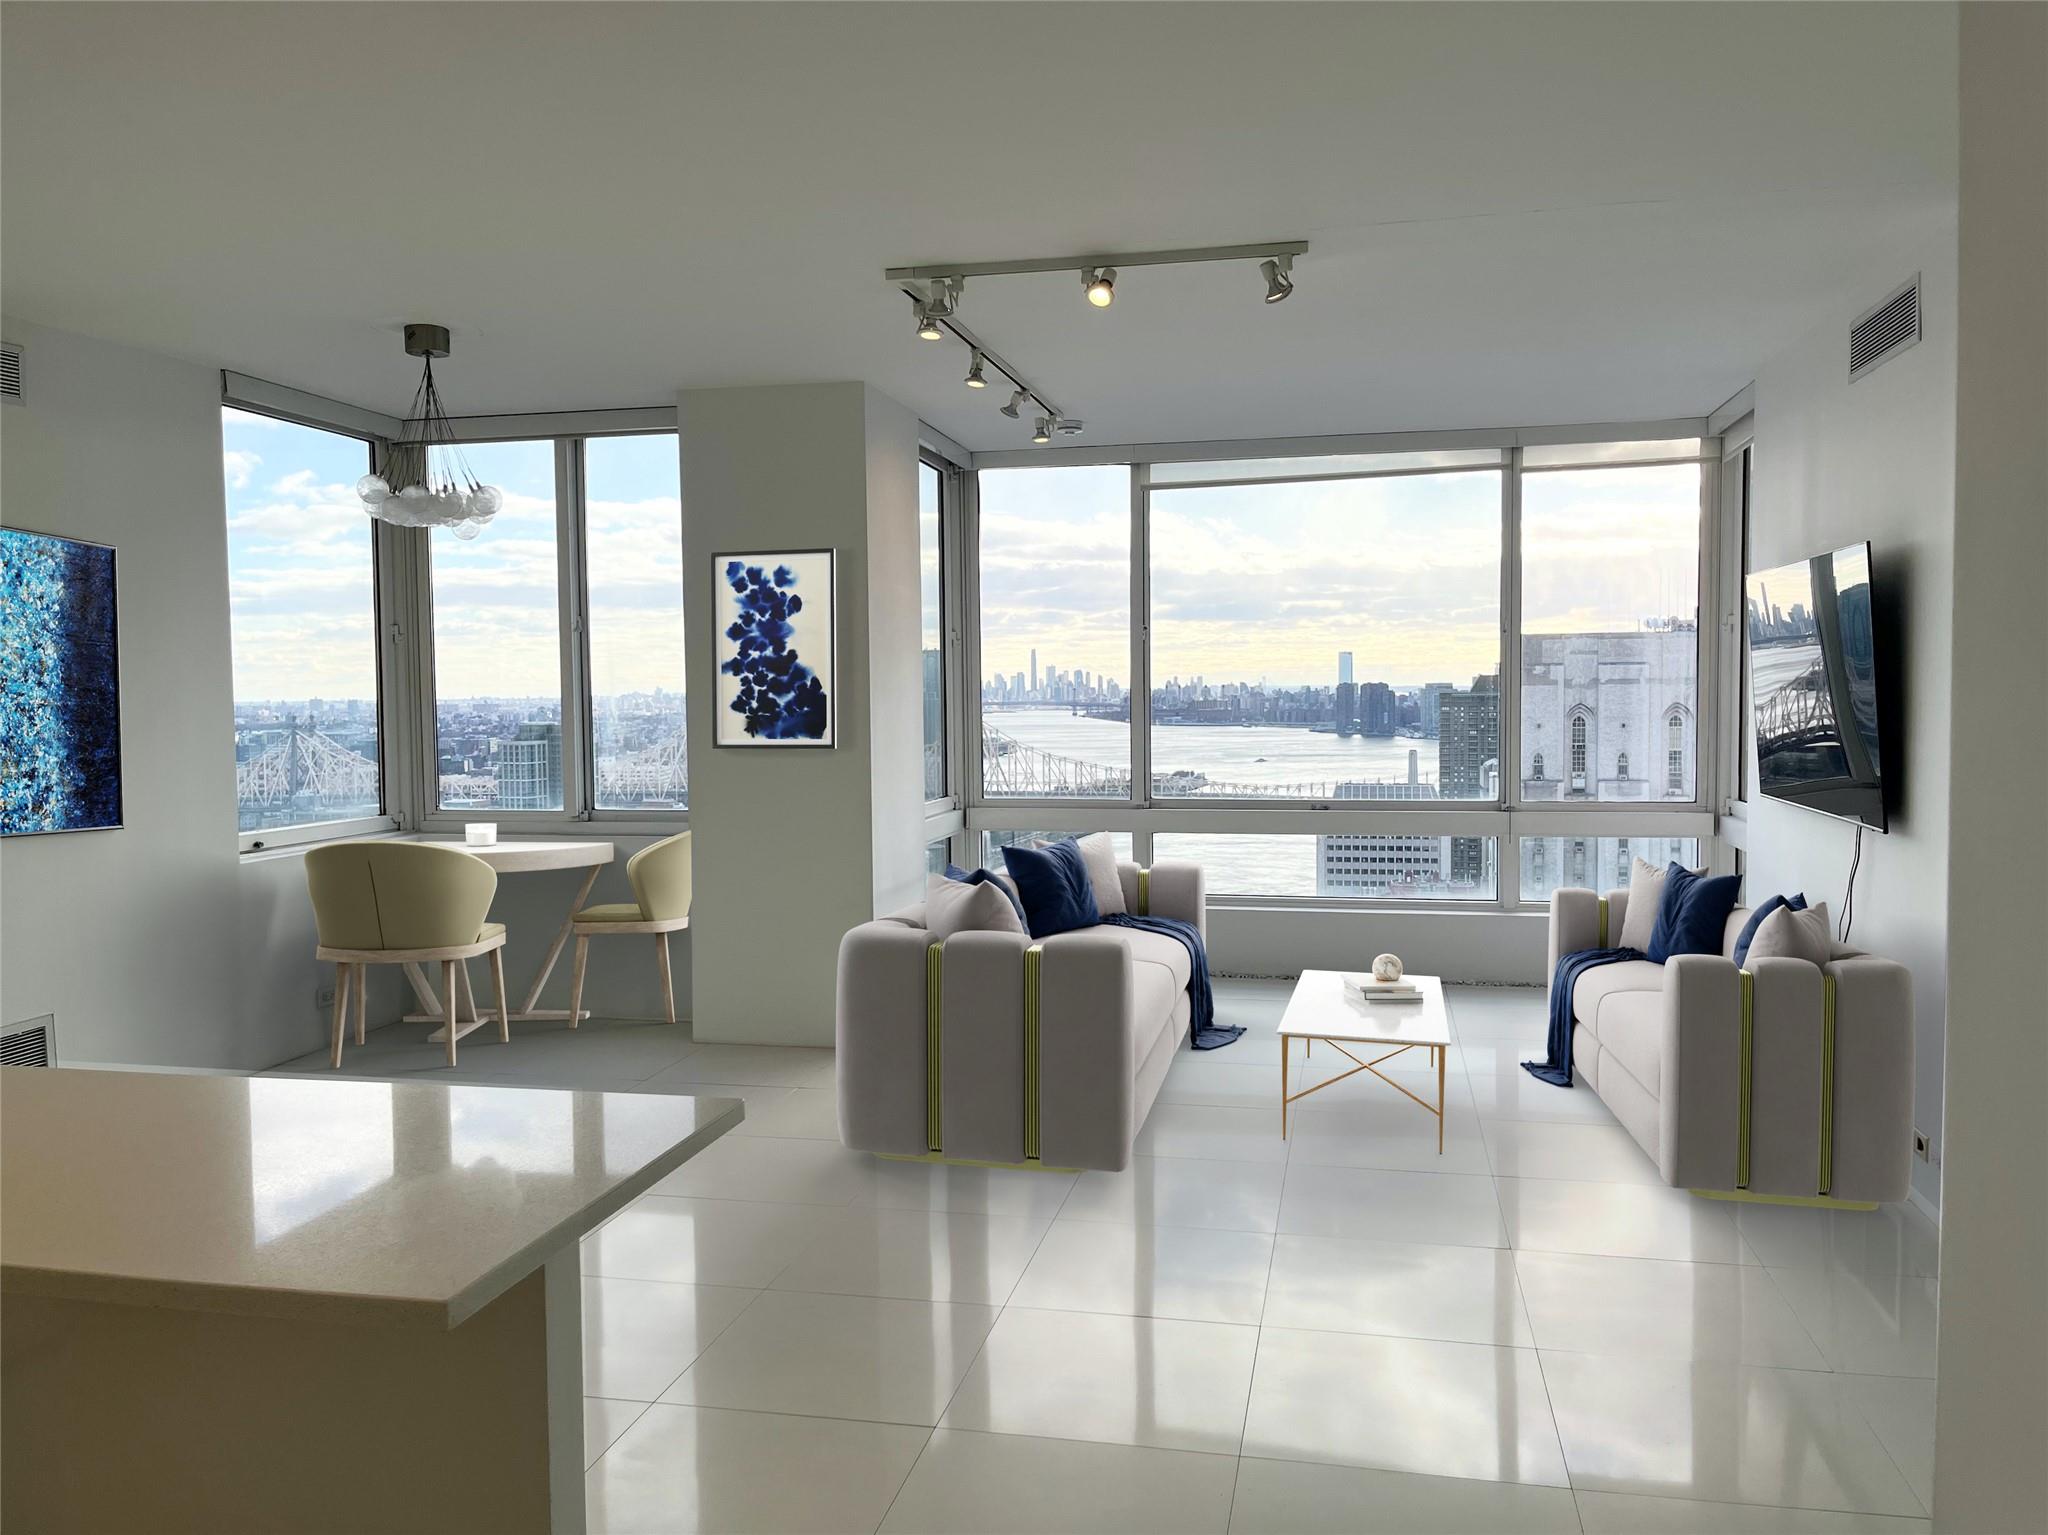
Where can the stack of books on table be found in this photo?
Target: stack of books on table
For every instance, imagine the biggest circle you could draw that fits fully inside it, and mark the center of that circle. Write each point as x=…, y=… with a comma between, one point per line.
x=1382, y=991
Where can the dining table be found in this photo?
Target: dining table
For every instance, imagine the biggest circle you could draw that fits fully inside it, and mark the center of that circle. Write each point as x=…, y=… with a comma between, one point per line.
x=531, y=855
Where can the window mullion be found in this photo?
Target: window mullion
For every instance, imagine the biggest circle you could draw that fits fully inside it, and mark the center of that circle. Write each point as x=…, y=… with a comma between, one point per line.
x=1507, y=853
x=1140, y=693
x=579, y=767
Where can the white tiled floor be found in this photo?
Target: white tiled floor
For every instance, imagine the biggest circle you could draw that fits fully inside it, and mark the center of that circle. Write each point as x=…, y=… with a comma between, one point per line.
x=1340, y=1332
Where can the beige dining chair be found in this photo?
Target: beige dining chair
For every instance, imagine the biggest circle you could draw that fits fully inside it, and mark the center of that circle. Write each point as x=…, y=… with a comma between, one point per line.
x=396, y=903
x=660, y=873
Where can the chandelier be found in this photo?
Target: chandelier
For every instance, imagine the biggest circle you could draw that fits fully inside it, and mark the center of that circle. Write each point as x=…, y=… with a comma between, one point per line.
x=426, y=482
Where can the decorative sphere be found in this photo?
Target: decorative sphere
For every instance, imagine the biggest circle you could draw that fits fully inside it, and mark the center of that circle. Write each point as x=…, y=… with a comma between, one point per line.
x=1387, y=967
x=486, y=502
x=373, y=489
x=467, y=530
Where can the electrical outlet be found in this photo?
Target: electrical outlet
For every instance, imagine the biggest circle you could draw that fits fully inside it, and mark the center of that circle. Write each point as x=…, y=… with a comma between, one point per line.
x=1923, y=1148
x=323, y=997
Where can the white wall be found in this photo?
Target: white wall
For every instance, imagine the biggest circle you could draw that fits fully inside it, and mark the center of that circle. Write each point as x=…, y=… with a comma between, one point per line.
x=793, y=847
x=129, y=936
x=1991, y=1413
x=1836, y=463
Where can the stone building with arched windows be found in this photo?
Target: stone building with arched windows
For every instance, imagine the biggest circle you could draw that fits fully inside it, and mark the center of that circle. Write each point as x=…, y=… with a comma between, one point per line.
x=1610, y=717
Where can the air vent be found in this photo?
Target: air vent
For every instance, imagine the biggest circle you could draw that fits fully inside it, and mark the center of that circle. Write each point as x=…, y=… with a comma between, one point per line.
x=10, y=372
x=30, y=1043
x=1885, y=330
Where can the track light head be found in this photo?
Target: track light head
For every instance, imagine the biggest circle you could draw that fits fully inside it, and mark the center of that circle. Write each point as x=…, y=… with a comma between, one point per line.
x=928, y=327
x=1101, y=283
x=976, y=378
x=1041, y=430
x=1275, y=270
x=1017, y=399
x=945, y=294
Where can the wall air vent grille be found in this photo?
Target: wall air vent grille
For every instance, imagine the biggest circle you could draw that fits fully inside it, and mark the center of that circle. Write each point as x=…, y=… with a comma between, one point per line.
x=30, y=1043
x=10, y=372
x=1885, y=330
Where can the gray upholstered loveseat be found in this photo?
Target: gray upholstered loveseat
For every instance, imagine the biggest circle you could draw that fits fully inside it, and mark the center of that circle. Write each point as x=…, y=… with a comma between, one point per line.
x=995, y=1047
x=1785, y=1079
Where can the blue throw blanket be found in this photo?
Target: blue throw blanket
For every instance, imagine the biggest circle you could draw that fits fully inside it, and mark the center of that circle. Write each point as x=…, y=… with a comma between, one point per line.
x=1203, y=1031
x=1557, y=1070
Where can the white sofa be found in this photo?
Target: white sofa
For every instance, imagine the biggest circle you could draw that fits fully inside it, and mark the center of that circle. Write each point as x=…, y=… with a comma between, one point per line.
x=995, y=1047
x=1785, y=1080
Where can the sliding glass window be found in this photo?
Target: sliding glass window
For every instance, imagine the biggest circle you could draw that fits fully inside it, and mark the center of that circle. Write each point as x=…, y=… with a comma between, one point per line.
x=1327, y=639
x=302, y=603
x=1610, y=625
x=931, y=575
x=633, y=573
x=498, y=642
x=1055, y=594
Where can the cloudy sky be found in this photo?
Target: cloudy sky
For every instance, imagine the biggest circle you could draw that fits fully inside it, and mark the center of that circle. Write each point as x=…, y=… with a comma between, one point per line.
x=300, y=583
x=1271, y=581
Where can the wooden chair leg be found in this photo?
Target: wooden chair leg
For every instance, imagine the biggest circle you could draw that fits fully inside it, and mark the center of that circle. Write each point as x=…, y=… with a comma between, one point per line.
x=668, y=980
x=576, y=978
x=362, y=1003
x=468, y=993
x=341, y=978
x=450, y=1016
x=504, y=999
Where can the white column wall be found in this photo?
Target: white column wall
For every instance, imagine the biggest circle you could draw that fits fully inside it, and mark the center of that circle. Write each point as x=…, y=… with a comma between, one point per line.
x=1991, y=1415
x=794, y=846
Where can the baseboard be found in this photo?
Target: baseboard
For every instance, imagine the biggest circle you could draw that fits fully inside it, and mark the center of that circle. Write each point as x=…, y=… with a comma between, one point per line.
x=1925, y=1206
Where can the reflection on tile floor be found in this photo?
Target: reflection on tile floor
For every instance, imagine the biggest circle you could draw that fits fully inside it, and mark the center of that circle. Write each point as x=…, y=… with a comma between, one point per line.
x=1340, y=1332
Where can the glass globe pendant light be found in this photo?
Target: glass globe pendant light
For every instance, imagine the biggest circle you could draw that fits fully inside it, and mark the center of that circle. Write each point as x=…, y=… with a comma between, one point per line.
x=424, y=481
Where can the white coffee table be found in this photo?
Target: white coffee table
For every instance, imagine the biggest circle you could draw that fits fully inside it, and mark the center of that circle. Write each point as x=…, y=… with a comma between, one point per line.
x=1321, y=1008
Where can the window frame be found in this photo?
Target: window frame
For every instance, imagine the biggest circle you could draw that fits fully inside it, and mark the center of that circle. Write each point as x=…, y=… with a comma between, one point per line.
x=284, y=406
x=945, y=816
x=1506, y=819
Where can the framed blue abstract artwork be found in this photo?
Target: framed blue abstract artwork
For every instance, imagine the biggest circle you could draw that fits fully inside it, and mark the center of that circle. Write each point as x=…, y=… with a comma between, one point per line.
x=60, y=686
x=775, y=649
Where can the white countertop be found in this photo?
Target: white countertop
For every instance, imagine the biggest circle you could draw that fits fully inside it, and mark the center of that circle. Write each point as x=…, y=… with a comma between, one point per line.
x=379, y=1201
x=530, y=855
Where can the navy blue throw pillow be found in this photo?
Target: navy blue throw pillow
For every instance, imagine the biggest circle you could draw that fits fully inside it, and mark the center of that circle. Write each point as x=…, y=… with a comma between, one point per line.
x=1693, y=914
x=1756, y=920
x=1053, y=884
x=982, y=877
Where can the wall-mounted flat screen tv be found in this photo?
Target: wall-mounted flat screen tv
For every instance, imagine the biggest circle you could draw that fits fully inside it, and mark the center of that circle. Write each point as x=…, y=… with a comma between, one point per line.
x=1813, y=685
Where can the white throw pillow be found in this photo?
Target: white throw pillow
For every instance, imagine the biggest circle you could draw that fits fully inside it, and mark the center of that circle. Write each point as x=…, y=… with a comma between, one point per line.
x=1645, y=895
x=1098, y=856
x=951, y=906
x=1789, y=934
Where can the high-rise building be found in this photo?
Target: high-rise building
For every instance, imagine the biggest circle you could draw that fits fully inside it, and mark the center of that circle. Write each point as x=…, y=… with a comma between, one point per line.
x=1347, y=706
x=1034, y=668
x=1468, y=741
x=1344, y=677
x=1431, y=699
x=529, y=768
x=1376, y=709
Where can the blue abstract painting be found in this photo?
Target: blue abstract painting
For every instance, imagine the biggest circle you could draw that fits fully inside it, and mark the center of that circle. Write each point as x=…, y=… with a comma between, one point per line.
x=775, y=651
x=60, y=686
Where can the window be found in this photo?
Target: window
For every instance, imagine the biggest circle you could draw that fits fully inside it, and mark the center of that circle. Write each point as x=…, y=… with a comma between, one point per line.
x=633, y=572
x=1327, y=639
x=497, y=642
x=1341, y=865
x=932, y=588
x=1674, y=755
x=1549, y=863
x=993, y=843
x=302, y=603
x=1055, y=586
x=1621, y=766
x=1536, y=771
x=937, y=854
x=1610, y=613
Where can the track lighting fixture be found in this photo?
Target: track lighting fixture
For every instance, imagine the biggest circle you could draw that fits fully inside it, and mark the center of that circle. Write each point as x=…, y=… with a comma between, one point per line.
x=928, y=328
x=1041, y=431
x=1275, y=270
x=976, y=379
x=1101, y=284
x=1017, y=399
x=945, y=294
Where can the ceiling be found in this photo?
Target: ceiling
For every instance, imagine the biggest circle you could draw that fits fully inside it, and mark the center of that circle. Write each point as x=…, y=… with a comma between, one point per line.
x=1527, y=213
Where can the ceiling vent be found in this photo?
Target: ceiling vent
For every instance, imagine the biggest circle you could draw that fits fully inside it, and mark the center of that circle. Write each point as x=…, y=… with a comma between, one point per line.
x=1886, y=329
x=32, y=1043
x=10, y=373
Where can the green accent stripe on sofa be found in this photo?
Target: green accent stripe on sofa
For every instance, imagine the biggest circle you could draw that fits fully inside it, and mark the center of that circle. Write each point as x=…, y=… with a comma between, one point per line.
x=934, y=976
x=1033, y=956
x=1144, y=892
x=1603, y=924
x=1827, y=1083
x=1742, y=1110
